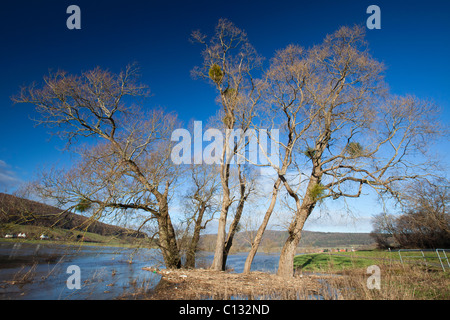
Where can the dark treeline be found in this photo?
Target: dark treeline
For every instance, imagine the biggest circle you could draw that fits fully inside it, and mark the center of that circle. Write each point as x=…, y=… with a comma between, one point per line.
x=425, y=222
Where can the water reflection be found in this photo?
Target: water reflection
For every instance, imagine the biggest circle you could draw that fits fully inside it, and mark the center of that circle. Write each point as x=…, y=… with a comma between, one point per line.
x=39, y=271
x=29, y=271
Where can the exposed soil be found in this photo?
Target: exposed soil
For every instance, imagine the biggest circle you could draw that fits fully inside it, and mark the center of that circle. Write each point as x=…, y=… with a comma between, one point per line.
x=208, y=284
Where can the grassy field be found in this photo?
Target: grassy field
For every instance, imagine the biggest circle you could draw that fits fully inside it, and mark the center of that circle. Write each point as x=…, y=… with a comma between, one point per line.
x=408, y=281
x=324, y=262
x=68, y=237
x=360, y=259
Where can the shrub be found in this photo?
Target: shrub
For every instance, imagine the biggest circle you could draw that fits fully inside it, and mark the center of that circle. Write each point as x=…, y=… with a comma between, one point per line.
x=310, y=152
x=317, y=191
x=83, y=205
x=354, y=149
x=216, y=73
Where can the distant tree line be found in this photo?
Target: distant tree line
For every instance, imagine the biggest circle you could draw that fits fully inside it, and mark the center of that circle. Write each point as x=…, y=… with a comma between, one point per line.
x=425, y=222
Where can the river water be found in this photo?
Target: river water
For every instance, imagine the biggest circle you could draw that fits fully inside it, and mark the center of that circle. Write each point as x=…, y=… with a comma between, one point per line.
x=41, y=271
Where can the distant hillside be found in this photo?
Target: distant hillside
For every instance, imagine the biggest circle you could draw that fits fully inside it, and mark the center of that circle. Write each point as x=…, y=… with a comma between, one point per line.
x=274, y=240
x=20, y=211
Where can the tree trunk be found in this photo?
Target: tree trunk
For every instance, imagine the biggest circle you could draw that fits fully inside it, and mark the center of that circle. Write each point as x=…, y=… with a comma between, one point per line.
x=221, y=234
x=286, y=262
x=226, y=202
x=167, y=239
x=256, y=242
x=232, y=231
x=237, y=217
x=190, y=255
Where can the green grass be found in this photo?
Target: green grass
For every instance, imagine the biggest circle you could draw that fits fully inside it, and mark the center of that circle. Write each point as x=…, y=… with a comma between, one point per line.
x=326, y=261
x=359, y=259
x=409, y=281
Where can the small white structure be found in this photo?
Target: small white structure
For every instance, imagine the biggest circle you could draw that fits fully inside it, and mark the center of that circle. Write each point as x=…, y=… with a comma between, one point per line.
x=21, y=235
x=43, y=237
x=9, y=235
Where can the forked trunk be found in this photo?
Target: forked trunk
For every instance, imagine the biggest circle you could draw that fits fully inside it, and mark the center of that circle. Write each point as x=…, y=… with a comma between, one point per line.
x=237, y=217
x=259, y=234
x=167, y=240
x=286, y=262
x=221, y=234
x=232, y=230
x=191, y=252
x=226, y=203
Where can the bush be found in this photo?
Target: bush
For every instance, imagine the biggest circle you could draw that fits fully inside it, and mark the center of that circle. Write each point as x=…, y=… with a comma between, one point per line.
x=216, y=73
x=354, y=149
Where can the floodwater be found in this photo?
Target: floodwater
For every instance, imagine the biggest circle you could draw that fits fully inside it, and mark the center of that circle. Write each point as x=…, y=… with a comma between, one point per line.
x=261, y=262
x=41, y=271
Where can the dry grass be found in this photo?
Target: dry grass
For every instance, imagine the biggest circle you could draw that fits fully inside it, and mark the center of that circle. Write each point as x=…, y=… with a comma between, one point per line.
x=398, y=282
x=208, y=284
x=413, y=281
x=23, y=276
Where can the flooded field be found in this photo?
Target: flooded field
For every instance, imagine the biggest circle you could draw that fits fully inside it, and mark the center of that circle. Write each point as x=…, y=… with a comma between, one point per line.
x=40, y=271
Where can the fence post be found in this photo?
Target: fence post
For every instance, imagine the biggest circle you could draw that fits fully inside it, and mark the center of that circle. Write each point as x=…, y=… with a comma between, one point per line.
x=424, y=258
x=400, y=255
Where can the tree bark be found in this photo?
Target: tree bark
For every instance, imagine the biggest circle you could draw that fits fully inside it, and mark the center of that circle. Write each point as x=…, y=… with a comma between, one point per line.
x=256, y=242
x=167, y=238
x=237, y=217
x=226, y=203
x=190, y=255
x=234, y=225
x=286, y=262
x=304, y=209
x=221, y=233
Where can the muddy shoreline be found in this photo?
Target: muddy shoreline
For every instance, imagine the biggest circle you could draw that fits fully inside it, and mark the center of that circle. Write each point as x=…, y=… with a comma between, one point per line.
x=201, y=284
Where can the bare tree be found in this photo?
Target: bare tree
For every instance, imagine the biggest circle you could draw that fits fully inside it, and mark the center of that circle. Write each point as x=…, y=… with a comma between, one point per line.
x=361, y=136
x=246, y=186
x=425, y=222
x=286, y=106
x=383, y=231
x=201, y=205
x=126, y=163
x=342, y=130
x=228, y=62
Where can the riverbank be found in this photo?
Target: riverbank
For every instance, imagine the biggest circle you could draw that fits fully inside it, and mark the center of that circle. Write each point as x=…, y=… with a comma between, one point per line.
x=317, y=276
x=75, y=243
x=201, y=284
x=39, y=271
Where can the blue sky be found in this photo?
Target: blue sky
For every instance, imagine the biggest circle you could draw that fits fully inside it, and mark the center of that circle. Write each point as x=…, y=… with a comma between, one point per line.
x=414, y=43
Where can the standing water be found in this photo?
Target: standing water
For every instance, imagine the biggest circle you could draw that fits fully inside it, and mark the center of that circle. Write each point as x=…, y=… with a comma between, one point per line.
x=40, y=271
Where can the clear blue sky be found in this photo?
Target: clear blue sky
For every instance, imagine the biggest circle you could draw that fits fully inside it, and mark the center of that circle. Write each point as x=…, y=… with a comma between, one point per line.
x=414, y=43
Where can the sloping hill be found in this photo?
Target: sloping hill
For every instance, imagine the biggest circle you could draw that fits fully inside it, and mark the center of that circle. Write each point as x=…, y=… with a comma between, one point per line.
x=274, y=240
x=21, y=211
